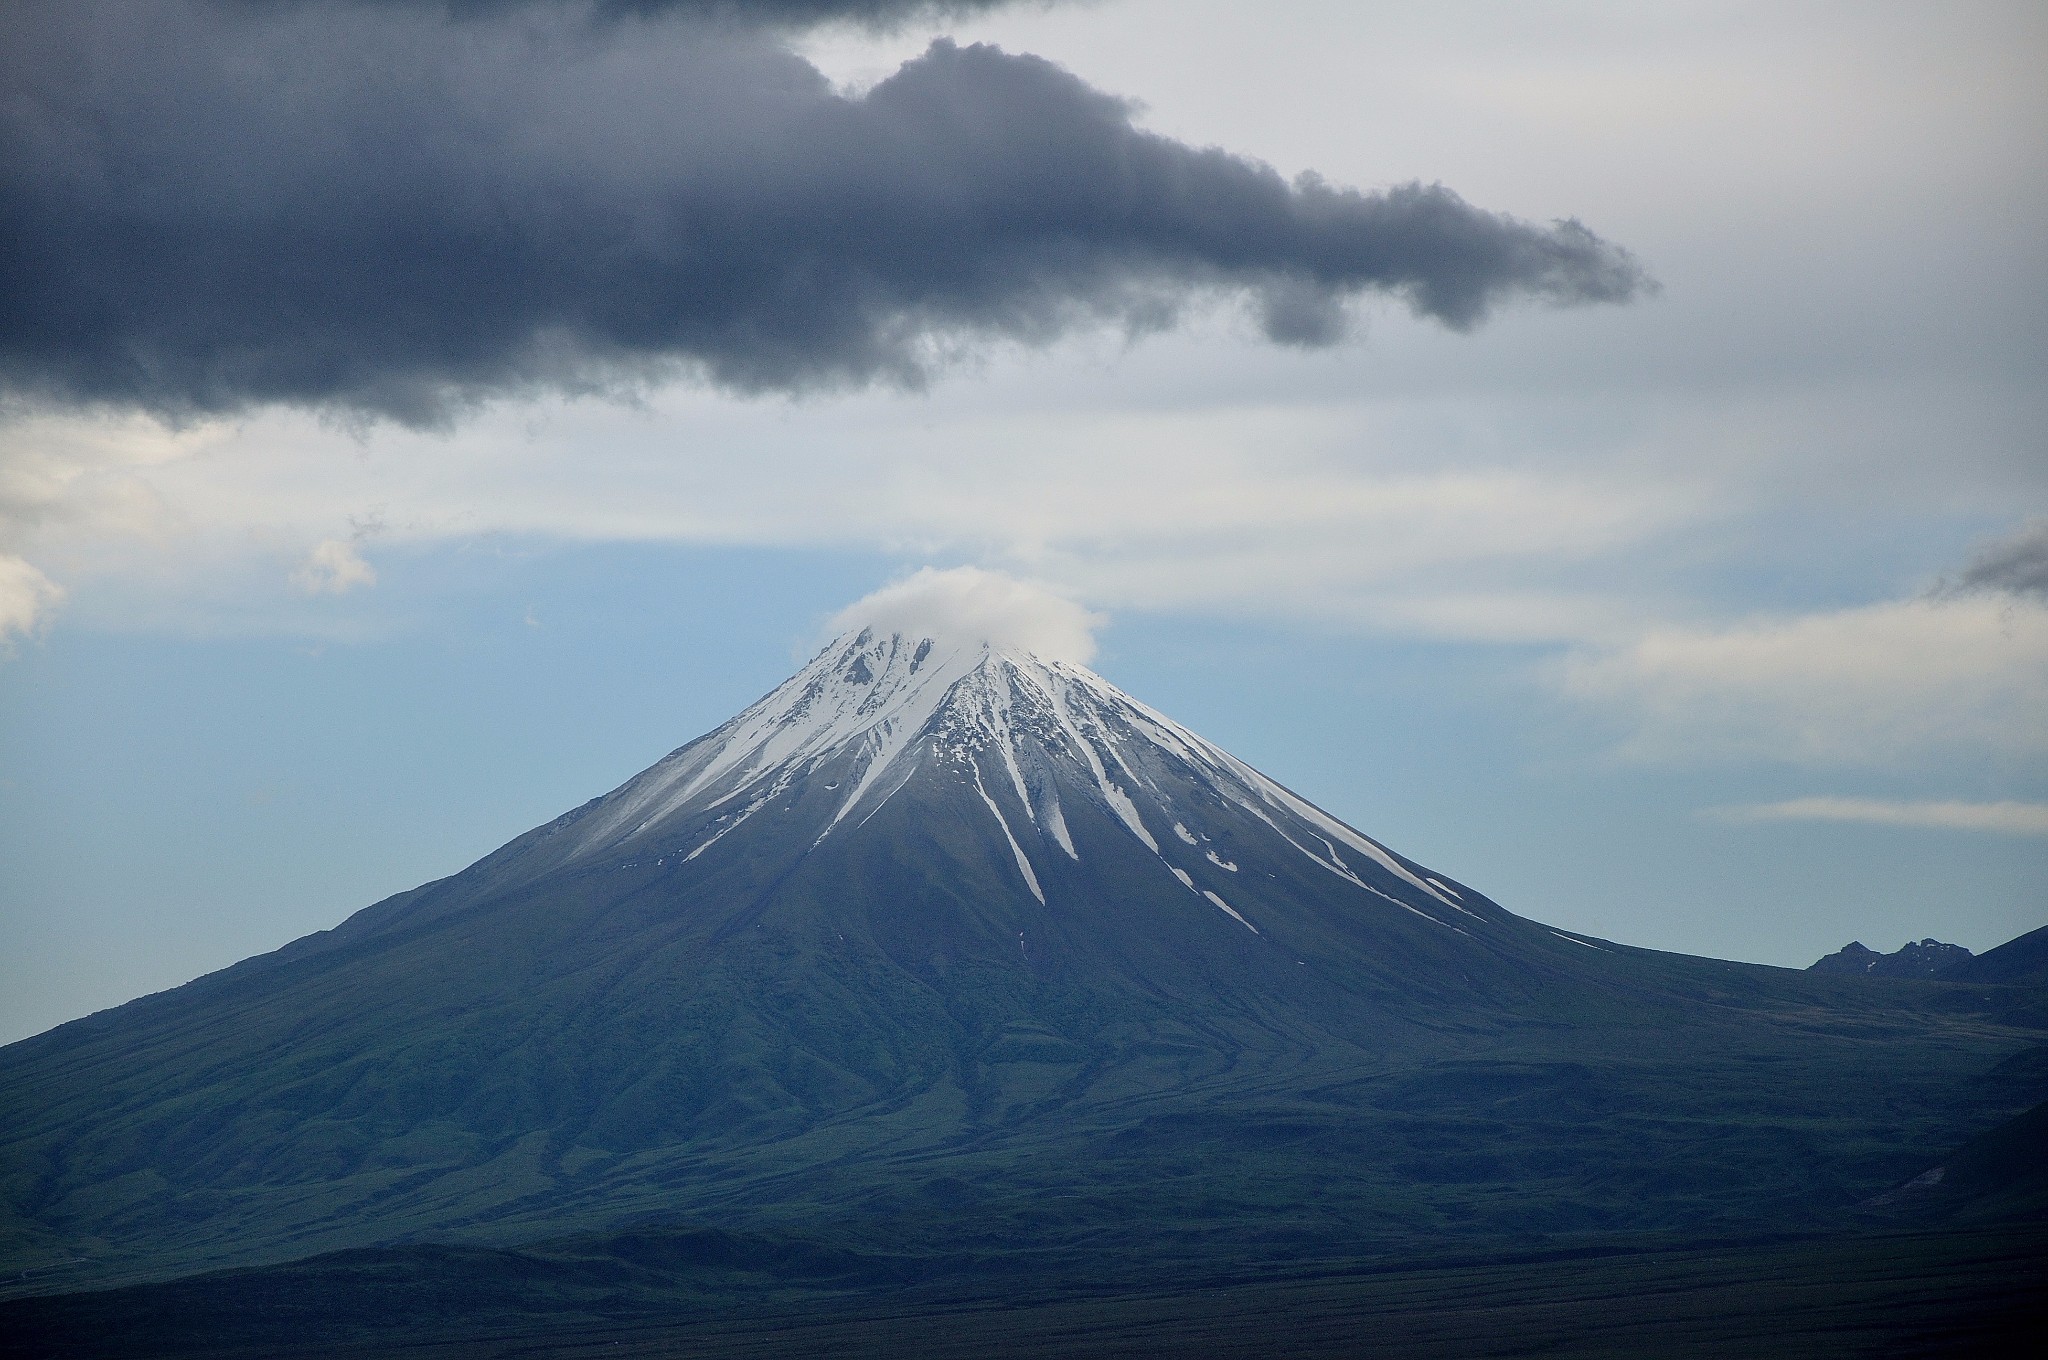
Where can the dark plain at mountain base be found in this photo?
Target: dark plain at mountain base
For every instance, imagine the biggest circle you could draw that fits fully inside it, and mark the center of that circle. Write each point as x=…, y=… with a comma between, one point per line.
x=1879, y=1294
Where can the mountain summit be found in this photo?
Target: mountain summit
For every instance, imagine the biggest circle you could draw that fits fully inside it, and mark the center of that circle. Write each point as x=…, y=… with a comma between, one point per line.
x=1002, y=734
x=945, y=939
x=950, y=690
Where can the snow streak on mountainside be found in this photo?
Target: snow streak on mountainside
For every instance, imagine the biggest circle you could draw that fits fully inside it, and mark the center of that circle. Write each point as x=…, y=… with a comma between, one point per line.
x=1025, y=738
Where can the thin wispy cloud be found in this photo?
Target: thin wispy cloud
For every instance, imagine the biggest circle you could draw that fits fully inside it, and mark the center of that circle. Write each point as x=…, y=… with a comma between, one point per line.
x=2005, y=817
x=2016, y=564
x=1881, y=685
x=421, y=213
x=1179, y=513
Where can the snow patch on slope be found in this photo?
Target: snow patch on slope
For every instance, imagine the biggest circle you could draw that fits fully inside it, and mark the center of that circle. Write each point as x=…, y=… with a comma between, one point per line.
x=1233, y=911
x=1023, y=860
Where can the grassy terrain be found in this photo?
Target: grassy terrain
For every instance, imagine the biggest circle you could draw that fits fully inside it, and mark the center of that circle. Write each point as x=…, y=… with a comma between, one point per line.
x=1973, y=1291
x=1747, y=1118
x=1950, y=1262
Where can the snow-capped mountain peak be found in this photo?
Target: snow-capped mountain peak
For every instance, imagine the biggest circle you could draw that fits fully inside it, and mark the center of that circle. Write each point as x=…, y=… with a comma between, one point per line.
x=1028, y=739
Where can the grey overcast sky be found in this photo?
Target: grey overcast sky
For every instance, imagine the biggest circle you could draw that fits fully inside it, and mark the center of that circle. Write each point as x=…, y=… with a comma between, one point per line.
x=1596, y=448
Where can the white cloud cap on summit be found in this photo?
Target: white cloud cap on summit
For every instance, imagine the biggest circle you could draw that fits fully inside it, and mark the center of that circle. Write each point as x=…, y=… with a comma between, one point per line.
x=968, y=604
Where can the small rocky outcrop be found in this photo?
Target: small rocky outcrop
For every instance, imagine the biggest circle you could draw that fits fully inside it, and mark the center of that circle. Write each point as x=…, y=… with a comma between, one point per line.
x=1929, y=958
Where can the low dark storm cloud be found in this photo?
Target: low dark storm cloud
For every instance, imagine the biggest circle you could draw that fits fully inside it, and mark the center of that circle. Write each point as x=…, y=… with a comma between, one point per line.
x=769, y=13
x=207, y=207
x=2016, y=565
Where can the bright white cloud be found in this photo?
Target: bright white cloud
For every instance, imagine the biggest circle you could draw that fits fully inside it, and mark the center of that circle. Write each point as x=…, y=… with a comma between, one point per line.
x=26, y=598
x=2011, y=818
x=1881, y=685
x=89, y=473
x=334, y=567
x=1242, y=508
x=968, y=604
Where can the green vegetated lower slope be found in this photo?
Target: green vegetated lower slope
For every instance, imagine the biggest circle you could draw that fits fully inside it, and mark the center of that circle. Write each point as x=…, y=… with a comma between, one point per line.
x=1948, y=1264
x=855, y=1044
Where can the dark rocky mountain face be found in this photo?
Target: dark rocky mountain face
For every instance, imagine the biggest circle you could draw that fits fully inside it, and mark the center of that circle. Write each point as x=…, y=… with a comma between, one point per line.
x=946, y=944
x=2021, y=960
x=1929, y=958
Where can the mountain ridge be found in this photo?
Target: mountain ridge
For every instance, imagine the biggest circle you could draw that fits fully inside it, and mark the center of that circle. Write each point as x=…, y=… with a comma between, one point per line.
x=1917, y=959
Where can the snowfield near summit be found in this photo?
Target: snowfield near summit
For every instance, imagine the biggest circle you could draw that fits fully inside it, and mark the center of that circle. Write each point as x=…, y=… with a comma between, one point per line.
x=1029, y=736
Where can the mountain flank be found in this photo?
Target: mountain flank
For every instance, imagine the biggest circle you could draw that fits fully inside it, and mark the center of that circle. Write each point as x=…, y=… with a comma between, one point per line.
x=949, y=951
x=2023, y=961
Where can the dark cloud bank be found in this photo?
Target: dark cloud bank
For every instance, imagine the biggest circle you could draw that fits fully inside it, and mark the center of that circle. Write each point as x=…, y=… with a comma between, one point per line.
x=758, y=13
x=379, y=208
x=775, y=13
